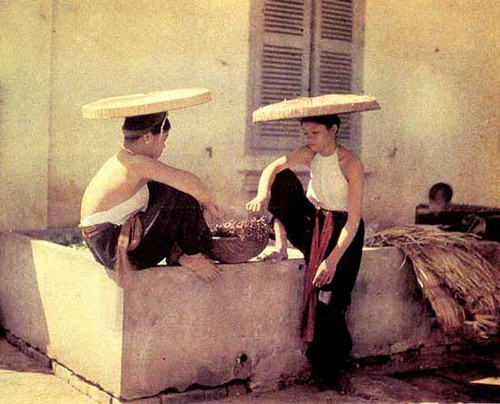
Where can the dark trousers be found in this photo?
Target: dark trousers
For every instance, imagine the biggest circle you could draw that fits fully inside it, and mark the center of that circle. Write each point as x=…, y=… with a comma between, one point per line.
x=172, y=218
x=332, y=342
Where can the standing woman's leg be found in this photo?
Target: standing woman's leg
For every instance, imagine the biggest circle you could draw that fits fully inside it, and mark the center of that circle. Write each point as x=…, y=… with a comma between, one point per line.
x=332, y=343
x=289, y=205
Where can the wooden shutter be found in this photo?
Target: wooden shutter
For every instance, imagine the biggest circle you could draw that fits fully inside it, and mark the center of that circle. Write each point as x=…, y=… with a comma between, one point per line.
x=334, y=55
x=281, y=68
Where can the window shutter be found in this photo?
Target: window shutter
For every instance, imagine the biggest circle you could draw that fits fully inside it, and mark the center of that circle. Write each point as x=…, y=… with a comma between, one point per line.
x=333, y=56
x=281, y=68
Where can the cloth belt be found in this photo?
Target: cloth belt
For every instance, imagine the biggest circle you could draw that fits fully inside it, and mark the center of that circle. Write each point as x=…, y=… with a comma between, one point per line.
x=319, y=244
x=128, y=240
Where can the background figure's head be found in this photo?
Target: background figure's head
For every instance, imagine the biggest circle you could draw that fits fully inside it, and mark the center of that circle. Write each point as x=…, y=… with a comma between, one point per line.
x=146, y=134
x=320, y=131
x=440, y=196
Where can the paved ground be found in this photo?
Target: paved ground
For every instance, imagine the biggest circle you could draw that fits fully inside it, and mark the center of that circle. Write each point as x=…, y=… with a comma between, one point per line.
x=441, y=386
x=24, y=381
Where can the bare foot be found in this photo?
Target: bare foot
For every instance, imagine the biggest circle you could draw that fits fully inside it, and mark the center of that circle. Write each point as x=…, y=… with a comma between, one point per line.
x=200, y=266
x=273, y=256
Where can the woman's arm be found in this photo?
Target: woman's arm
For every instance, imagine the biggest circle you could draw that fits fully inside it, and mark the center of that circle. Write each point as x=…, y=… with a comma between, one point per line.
x=151, y=169
x=354, y=175
x=298, y=157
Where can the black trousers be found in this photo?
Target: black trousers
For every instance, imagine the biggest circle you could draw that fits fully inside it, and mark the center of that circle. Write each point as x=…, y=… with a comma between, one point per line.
x=332, y=342
x=172, y=218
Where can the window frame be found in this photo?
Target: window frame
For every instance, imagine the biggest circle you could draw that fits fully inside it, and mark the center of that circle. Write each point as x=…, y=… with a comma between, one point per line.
x=258, y=39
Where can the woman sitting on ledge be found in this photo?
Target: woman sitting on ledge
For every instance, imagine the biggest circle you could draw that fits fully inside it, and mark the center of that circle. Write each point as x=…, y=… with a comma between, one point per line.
x=136, y=211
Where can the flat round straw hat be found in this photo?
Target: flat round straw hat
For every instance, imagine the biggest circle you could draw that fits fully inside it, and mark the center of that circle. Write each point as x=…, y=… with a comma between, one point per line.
x=314, y=106
x=146, y=103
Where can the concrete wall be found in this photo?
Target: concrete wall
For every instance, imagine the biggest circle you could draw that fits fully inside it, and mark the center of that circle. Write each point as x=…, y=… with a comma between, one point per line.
x=25, y=99
x=111, y=48
x=108, y=48
x=63, y=304
x=434, y=67
x=431, y=64
x=168, y=329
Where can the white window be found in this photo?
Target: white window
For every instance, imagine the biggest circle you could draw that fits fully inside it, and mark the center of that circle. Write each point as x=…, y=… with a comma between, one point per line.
x=302, y=48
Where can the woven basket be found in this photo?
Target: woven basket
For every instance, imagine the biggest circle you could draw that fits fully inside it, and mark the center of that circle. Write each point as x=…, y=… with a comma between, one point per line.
x=233, y=250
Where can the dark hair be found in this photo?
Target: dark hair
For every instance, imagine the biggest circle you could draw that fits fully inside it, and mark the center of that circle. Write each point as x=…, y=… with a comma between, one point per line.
x=158, y=128
x=441, y=187
x=136, y=126
x=327, y=120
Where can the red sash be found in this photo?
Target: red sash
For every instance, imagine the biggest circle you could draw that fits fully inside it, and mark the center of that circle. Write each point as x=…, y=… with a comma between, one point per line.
x=319, y=244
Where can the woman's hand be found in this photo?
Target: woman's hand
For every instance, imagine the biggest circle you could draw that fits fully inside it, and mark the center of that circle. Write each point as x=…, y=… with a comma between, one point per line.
x=257, y=204
x=324, y=273
x=212, y=213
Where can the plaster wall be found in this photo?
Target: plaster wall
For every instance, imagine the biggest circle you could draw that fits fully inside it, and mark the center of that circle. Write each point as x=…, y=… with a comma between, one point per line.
x=110, y=48
x=434, y=67
x=25, y=99
x=431, y=65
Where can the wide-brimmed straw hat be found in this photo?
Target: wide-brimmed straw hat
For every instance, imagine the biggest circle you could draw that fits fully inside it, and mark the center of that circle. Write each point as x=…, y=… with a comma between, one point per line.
x=146, y=103
x=314, y=106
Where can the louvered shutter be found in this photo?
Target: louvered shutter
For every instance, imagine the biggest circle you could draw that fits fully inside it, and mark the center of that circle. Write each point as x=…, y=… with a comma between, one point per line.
x=333, y=55
x=282, y=68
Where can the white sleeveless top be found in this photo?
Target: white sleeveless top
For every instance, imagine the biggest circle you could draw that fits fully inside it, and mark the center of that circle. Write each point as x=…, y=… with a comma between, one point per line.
x=327, y=185
x=120, y=213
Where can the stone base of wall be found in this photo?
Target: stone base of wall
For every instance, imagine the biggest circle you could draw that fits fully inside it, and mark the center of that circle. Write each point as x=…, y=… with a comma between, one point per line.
x=78, y=382
x=424, y=358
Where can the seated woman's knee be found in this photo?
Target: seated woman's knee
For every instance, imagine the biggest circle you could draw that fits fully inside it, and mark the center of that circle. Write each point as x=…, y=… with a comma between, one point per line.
x=172, y=196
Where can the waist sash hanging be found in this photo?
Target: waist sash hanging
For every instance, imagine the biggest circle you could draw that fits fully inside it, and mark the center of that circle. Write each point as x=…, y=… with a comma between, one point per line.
x=130, y=236
x=319, y=244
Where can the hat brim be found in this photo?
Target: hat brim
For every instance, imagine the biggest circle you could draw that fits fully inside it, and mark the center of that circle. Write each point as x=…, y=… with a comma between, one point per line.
x=314, y=106
x=146, y=103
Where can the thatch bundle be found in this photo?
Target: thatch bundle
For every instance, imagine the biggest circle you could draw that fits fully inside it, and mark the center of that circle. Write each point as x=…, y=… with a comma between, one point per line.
x=455, y=279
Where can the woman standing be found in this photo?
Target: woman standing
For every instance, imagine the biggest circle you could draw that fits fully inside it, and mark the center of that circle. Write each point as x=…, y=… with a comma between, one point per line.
x=326, y=225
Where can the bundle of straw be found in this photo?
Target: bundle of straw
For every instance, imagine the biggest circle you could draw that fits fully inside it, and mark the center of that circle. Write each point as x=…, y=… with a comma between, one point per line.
x=453, y=276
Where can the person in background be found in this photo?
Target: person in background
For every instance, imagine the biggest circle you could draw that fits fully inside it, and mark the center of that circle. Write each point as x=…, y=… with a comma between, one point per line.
x=440, y=195
x=441, y=211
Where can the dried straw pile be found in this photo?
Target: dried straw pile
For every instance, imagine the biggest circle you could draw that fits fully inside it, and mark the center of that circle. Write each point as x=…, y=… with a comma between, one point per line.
x=453, y=276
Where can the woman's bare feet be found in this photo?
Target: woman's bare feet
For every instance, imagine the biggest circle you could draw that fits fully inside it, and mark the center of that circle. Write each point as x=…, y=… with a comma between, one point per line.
x=273, y=256
x=201, y=266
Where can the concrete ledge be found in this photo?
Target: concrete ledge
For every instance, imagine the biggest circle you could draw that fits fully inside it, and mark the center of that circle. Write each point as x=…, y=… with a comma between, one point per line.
x=100, y=396
x=171, y=331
